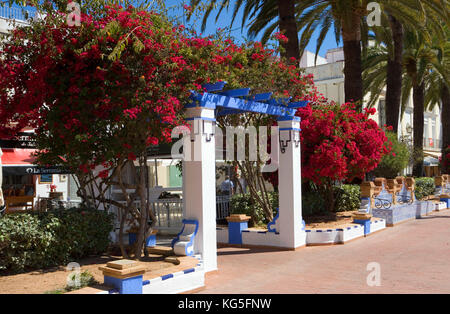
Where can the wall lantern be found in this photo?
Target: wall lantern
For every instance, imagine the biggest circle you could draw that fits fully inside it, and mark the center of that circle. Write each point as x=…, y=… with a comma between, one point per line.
x=288, y=135
x=206, y=127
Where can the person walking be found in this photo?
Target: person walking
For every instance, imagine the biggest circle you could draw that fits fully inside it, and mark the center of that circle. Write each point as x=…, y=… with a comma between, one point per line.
x=227, y=186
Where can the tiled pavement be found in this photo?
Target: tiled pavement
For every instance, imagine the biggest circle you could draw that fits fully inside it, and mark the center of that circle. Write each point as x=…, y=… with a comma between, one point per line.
x=414, y=257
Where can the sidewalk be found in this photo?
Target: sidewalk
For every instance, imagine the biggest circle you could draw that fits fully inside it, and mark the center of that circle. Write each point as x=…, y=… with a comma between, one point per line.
x=414, y=257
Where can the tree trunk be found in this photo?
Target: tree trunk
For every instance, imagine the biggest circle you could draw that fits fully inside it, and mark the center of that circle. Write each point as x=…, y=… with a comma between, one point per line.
x=394, y=75
x=288, y=26
x=445, y=118
x=418, y=100
x=351, y=35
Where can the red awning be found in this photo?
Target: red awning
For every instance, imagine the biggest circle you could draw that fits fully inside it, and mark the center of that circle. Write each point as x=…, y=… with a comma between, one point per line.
x=17, y=156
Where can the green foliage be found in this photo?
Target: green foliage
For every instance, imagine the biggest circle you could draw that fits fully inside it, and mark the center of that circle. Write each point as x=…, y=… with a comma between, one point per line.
x=86, y=280
x=424, y=187
x=312, y=203
x=245, y=204
x=42, y=240
x=348, y=197
x=392, y=164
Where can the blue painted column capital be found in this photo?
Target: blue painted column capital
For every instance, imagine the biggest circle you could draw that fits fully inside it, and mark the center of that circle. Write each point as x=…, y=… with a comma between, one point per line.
x=236, y=224
x=446, y=199
x=364, y=220
x=125, y=276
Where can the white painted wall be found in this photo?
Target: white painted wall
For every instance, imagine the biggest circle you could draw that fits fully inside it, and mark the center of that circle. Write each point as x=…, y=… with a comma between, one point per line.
x=43, y=189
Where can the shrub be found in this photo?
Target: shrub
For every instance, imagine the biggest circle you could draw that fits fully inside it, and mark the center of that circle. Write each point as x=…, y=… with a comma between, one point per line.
x=41, y=240
x=244, y=204
x=348, y=197
x=392, y=164
x=312, y=203
x=86, y=280
x=424, y=187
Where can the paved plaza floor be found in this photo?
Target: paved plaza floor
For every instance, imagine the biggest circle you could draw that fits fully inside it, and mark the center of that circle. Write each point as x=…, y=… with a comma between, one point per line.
x=413, y=257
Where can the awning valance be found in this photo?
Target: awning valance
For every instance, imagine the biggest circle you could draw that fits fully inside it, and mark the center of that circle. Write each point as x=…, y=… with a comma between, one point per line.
x=18, y=161
x=17, y=157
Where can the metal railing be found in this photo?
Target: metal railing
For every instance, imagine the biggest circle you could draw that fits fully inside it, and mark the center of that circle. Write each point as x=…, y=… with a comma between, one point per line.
x=168, y=212
x=18, y=14
x=222, y=206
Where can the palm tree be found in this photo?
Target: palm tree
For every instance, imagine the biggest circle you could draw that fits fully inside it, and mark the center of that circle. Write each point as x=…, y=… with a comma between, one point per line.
x=345, y=17
x=438, y=88
x=281, y=10
x=424, y=73
x=392, y=36
x=390, y=57
x=424, y=62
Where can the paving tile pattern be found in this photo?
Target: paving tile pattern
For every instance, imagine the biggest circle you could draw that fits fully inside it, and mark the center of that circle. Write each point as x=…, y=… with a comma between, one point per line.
x=414, y=257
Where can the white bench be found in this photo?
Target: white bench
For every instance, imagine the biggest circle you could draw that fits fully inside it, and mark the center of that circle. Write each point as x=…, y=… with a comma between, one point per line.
x=183, y=244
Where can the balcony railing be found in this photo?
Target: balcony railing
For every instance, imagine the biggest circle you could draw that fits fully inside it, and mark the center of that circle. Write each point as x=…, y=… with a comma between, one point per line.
x=17, y=14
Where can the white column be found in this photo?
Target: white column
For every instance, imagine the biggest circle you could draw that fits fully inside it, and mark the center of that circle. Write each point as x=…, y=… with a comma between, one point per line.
x=290, y=221
x=199, y=183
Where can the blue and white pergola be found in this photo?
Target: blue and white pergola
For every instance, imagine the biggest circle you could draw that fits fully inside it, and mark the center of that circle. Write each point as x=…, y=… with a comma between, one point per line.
x=199, y=185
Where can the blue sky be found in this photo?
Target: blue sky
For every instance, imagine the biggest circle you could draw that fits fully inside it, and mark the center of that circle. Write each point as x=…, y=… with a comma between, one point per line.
x=225, y=20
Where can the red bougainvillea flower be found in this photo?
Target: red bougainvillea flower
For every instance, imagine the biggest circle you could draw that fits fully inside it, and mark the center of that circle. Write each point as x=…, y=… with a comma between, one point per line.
x=338, y=143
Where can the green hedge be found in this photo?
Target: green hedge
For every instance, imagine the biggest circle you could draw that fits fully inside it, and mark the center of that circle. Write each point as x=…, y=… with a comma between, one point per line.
x=392, y=164
x=424, y=187
x=244, y=204
x=41, y=240
x=348, y=197
x=313, y=203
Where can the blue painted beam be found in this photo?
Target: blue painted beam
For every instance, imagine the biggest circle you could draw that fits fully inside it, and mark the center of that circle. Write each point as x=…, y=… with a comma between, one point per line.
x=215, y=87
x=279, y=101
x=226, y=112
x=298, y=104
x=213, y=101
x=236, y=92
x=260, y=97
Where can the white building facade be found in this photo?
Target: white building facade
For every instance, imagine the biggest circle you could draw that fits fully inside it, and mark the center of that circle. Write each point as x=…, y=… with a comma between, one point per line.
x=329, y=79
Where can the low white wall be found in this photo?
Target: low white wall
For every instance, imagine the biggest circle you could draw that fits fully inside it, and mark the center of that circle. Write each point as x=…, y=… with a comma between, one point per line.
x=260, y=238
x=351, y=233
x=180, y=282
x=440, y=206
x=313, y=236
x=377, y=225
x=329, y=236
x=222, y=235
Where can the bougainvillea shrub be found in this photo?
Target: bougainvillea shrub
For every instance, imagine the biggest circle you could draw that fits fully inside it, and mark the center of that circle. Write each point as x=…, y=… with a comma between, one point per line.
x=339, y=144
x=100, y=94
